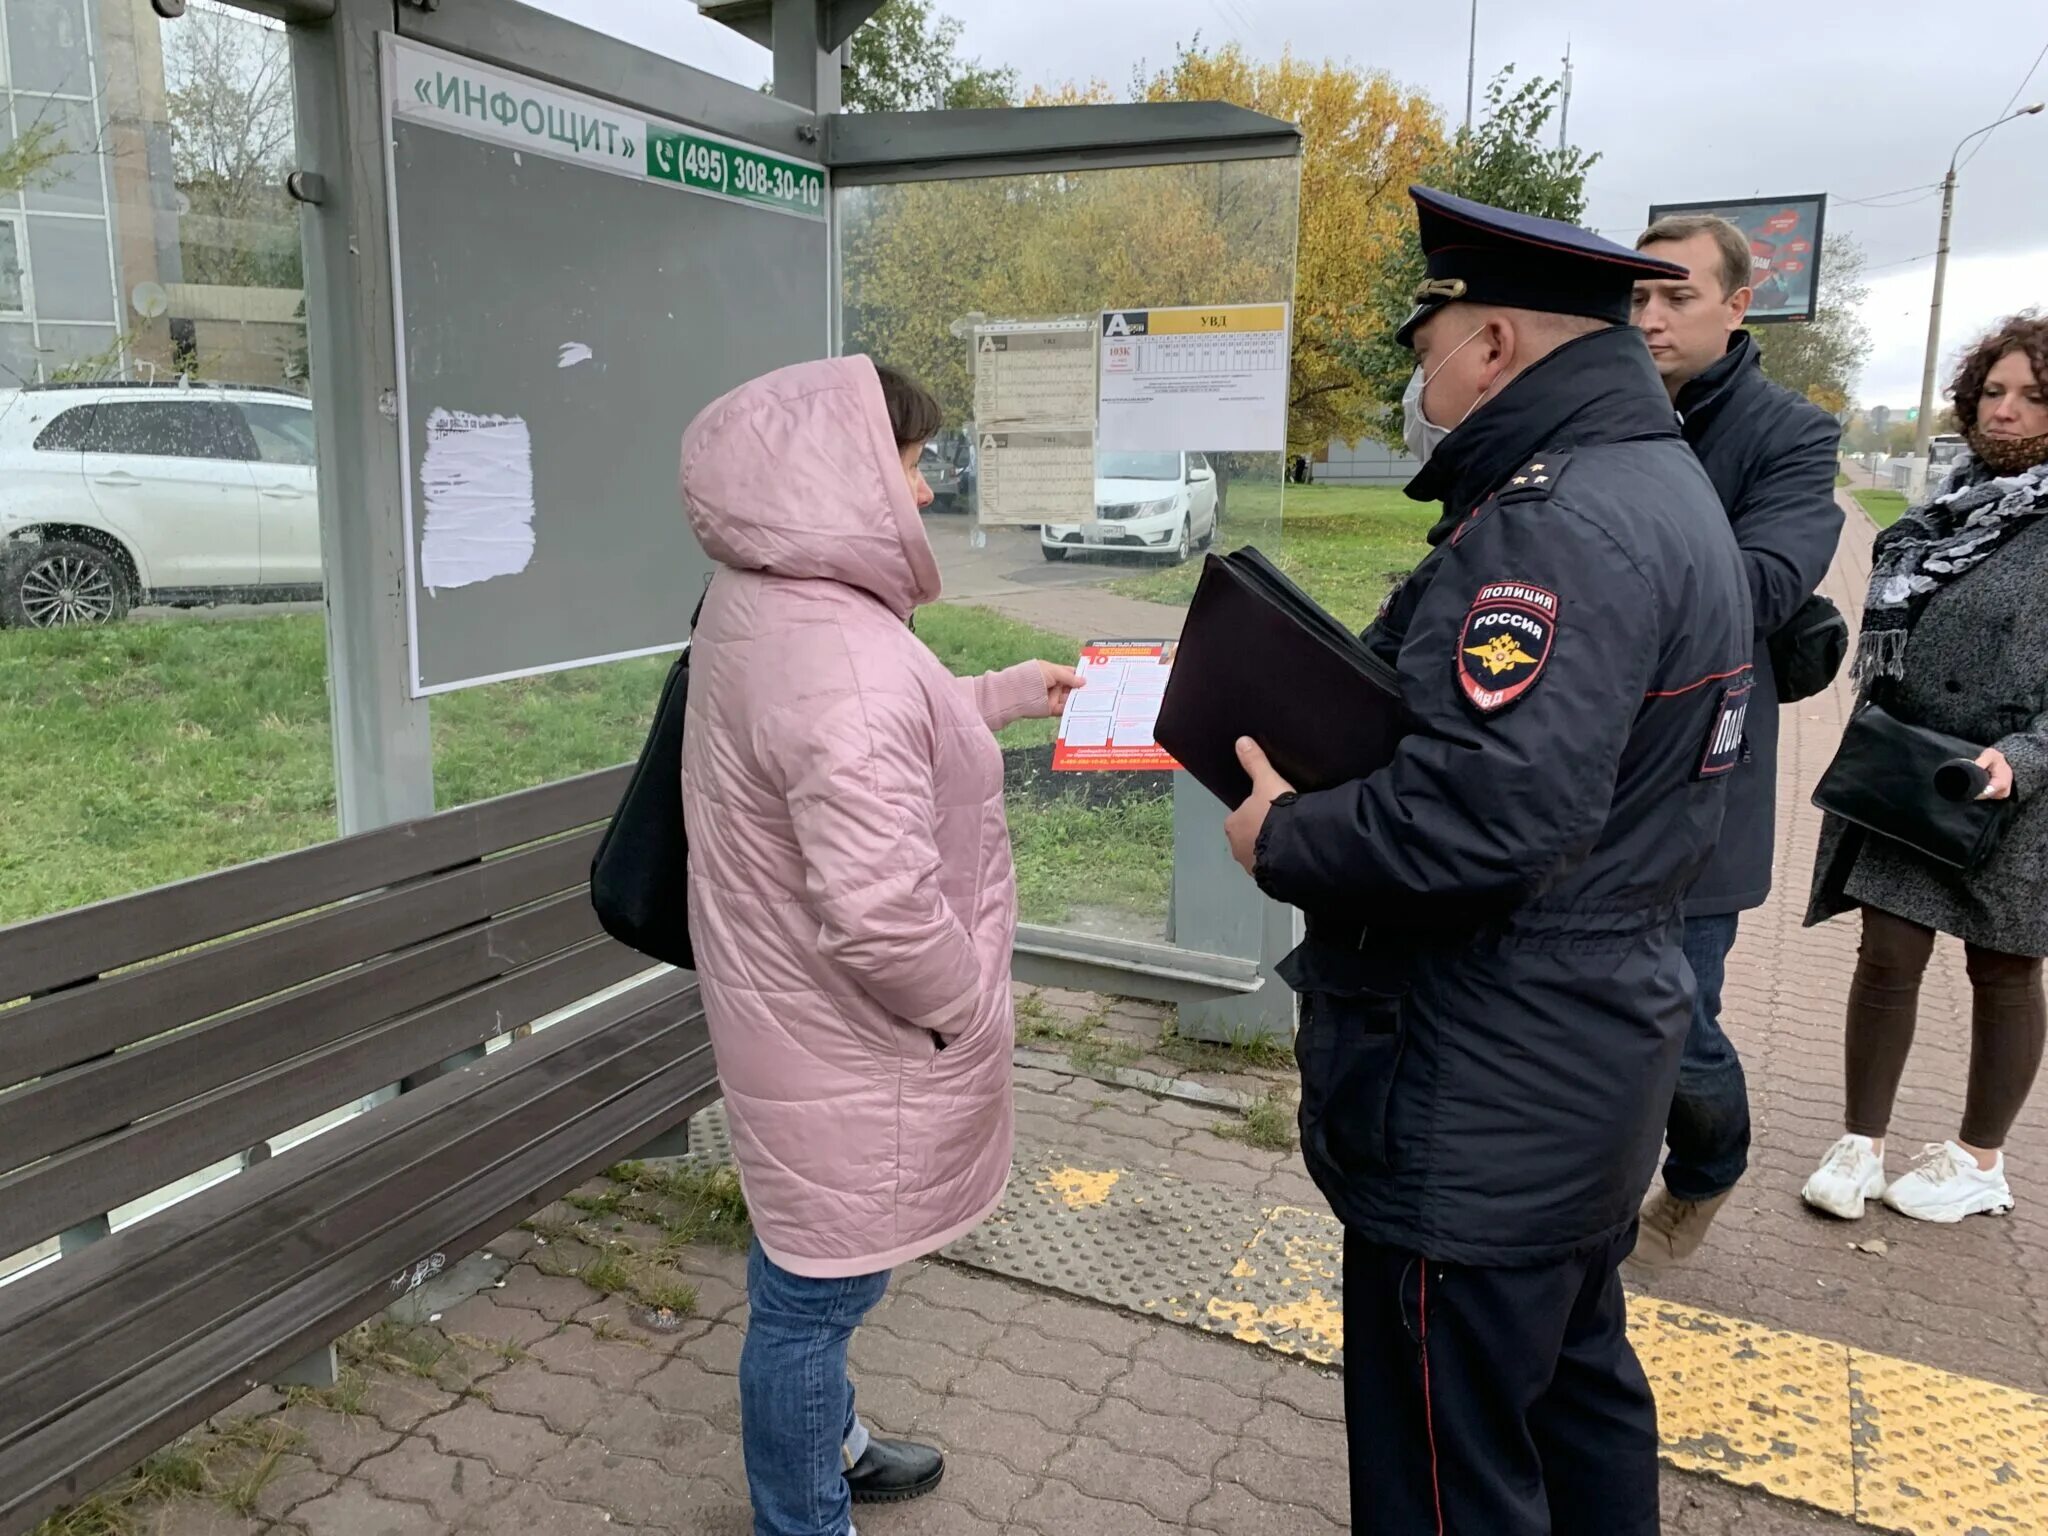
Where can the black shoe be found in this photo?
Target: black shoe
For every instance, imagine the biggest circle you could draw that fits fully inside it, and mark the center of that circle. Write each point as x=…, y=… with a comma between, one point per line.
x=891, y=1471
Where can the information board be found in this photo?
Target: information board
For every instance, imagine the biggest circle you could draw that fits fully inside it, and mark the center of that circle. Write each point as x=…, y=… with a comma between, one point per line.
x=1034, y=415
x=565, y=274
x=1212, y=378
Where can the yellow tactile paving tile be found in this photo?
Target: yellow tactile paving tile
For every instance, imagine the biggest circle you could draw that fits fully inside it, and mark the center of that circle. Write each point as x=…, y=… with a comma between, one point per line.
x=1890, y=1443
x=1283, y=1291
x=1942, y=1453
x=1752, y=1405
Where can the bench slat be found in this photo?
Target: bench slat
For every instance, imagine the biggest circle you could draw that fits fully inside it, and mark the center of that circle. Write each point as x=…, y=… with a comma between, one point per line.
x=54, y=1195
x=197, y=1285
x=68, y=947
x=99, y=1017
x=539, y=1150
x=71, y=1108
x=211, y=1228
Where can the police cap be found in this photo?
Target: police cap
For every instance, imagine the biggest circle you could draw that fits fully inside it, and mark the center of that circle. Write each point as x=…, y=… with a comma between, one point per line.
x=1483, y=255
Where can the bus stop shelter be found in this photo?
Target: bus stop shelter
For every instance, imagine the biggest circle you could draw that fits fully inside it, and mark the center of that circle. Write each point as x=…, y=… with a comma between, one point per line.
x=534, y=251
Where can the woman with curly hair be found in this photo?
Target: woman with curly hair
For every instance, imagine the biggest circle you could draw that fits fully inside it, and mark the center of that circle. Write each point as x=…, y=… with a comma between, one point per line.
x=1955, y=638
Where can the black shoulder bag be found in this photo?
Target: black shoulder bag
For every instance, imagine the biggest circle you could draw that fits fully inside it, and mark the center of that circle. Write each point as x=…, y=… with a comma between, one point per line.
x=1808, y=652
x=1914, y=786
x=640, y=876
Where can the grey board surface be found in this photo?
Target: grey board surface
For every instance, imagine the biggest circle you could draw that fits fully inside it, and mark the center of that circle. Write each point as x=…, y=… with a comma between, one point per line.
x=504, y=258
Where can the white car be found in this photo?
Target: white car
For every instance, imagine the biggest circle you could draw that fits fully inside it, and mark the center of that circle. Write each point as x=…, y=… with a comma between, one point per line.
x=1161, y=503
x=182, y=494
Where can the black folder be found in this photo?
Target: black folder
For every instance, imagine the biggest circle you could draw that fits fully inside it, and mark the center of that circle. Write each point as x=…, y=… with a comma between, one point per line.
x=1259, y=657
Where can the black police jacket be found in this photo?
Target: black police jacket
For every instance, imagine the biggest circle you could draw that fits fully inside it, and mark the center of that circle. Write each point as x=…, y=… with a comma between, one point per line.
x=1494, y=996
x=1772, y=458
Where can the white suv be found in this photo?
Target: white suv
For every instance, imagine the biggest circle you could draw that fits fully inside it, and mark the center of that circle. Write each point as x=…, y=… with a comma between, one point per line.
x=118, y=494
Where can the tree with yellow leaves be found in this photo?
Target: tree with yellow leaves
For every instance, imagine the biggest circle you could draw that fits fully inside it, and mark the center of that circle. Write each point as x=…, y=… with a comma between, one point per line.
x=1364, y=140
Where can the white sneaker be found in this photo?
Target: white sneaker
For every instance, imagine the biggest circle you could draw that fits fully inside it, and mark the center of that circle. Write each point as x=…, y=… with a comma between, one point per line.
x=1852, y=1173
x=1946, y=1185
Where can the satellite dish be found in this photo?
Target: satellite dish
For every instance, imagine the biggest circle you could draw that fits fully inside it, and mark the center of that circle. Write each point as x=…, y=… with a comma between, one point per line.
x=151, y=300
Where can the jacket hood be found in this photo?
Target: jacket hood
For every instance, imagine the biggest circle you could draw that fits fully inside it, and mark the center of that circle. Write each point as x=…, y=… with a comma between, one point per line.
x=796, y=474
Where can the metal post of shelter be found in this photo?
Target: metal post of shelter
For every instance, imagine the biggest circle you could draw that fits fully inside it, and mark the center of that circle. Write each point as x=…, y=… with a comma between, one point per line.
x=383, y=750
x=806, y=68
x=1215, y=909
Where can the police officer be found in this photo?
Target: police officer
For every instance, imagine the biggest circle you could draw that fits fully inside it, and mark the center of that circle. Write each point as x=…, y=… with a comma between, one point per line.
x=1494, y=996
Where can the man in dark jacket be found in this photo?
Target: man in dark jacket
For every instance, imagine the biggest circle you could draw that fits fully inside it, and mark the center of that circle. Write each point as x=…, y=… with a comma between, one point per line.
x=1494, y=1000
x=1772, y=458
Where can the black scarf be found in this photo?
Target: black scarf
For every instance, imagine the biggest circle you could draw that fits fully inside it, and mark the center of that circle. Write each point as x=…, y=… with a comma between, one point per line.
x=1961, y=526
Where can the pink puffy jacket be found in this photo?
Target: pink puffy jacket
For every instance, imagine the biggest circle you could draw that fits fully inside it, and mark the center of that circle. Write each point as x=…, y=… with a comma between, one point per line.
x=852, y=899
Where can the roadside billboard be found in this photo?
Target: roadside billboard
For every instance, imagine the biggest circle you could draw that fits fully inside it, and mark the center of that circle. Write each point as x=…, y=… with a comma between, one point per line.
x=1784, y=246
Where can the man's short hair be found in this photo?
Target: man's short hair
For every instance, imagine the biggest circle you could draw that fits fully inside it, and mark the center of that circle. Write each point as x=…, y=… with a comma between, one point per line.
x=1737, y=268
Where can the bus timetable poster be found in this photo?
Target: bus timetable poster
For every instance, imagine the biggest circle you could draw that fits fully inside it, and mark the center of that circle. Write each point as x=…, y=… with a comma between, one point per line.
x=1784, y=248
x=1108, y=723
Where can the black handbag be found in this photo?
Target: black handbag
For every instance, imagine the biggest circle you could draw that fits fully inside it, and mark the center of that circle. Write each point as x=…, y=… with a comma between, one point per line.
x=640, y=875
x=1808, y=652
x=1883, y=781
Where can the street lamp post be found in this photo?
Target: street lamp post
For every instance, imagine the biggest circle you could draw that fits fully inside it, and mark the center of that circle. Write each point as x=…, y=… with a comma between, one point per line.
x=1923, y=427
x=1471, y=63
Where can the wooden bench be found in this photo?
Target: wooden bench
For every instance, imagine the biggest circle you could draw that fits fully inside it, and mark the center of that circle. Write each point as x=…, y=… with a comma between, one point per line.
x=166, y=1036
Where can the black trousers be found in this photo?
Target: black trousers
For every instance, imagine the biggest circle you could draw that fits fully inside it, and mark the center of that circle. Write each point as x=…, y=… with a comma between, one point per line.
x=1495, y=1402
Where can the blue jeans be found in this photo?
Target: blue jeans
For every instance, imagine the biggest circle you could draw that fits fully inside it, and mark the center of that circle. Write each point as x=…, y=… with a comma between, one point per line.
x=1707, y=1131
x=797, y=1424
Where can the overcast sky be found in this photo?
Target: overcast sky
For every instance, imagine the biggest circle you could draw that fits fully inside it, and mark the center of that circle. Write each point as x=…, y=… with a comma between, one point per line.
x=1688, y=104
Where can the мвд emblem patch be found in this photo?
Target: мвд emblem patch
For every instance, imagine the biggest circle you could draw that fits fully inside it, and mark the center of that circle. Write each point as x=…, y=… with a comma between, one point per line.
x=1505, y=642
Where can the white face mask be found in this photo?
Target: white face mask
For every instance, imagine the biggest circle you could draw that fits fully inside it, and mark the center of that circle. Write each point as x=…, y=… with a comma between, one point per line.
x=1420, y=433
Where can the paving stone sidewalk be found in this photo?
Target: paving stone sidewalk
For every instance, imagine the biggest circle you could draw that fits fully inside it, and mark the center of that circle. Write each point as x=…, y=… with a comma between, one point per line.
x=547, y=1405
x=1971, y=1298
x=544, y=1407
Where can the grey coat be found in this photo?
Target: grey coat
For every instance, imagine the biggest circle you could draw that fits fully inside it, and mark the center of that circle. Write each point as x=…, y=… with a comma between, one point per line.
x=1976, y=667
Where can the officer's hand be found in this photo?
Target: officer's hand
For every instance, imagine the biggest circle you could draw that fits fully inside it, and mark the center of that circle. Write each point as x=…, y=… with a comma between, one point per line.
x=1249, y=819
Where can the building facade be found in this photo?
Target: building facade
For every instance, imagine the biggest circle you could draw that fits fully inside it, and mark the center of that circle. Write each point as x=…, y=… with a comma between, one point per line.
x=1365, y=462
x=94, y=223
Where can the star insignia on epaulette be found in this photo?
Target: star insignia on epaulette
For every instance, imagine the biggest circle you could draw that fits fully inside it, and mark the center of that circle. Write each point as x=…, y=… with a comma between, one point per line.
x=1521, y=480
x=1543, y=479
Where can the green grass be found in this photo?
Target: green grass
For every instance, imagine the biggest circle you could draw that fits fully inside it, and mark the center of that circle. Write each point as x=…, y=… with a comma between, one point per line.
x=231, y=1468
x=1345, y=545
x=1253, y=1052
x=1268, y=1124
x=690, y=1205
x=1884, y=507
x=1117, y=855
x=146, y=753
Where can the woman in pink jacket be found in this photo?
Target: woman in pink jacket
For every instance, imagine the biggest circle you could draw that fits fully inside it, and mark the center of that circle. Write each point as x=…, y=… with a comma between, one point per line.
x=852, y=900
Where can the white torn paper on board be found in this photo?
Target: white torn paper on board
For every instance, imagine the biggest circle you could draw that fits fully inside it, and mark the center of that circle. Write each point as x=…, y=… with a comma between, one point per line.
x=477, y=482
x=572, y=353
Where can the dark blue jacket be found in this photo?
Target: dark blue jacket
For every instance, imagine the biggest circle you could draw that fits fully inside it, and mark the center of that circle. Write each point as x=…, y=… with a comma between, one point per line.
x=1772, y=458
x=1494, y=994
